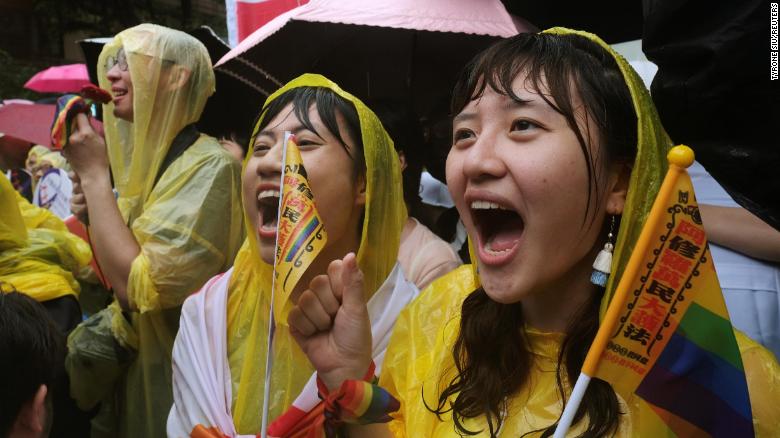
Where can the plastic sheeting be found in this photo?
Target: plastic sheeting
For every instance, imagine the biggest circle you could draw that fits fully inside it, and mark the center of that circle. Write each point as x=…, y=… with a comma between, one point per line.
x=648, y=170
x=13, y=232
x=419, y=361
x=249, y=299
x=187, y=224
x=38, y=256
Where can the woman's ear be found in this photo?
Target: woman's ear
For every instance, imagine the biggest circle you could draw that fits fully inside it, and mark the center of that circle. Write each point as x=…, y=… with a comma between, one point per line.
x=618, y=188
x=178, y=77
x=33, y=416
x=360, y=189
x=402, y=160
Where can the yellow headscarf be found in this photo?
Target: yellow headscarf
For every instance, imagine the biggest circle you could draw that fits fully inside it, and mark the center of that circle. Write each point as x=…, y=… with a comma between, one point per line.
x=172, y=79
x=649, y=166
x=249, y=294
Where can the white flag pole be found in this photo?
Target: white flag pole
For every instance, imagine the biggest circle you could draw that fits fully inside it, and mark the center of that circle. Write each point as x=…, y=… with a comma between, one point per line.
x=574, y=404
x=269, y=362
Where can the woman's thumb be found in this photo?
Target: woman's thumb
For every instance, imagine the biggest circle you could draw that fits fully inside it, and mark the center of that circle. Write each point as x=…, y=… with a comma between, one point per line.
x=352, y=279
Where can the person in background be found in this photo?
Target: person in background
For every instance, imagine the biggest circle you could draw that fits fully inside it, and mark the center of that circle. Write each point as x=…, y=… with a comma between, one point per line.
x=40, y=258
x=175, y=223
x=746, y=253
x=53, y=187
x=35, y=153
x=423, y=255
x=32, y=352
x=235, y=145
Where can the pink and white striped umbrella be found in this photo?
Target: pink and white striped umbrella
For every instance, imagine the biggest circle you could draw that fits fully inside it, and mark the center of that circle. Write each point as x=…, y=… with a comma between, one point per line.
x=401, y=49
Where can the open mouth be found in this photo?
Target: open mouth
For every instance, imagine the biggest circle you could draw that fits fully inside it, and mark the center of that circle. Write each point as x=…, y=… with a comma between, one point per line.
x=500, y=229
x=268, y=207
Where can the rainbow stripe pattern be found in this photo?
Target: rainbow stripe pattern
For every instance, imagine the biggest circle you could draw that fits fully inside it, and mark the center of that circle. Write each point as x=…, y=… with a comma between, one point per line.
x=68, y=106
x=698, y=385
x=667, y=337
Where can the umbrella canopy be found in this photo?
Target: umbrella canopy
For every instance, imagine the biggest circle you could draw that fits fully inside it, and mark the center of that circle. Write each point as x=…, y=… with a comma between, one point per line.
x=400, y=49
x=28, y=122
x=59, y=79
x=252, y=14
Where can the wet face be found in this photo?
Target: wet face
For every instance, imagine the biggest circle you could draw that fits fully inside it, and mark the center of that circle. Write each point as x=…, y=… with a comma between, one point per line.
x=519, y=179
x=118, y=74
x=338, y=194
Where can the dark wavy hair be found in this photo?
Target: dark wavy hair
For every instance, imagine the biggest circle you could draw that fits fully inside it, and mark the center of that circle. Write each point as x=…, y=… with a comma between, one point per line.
x=491, y=354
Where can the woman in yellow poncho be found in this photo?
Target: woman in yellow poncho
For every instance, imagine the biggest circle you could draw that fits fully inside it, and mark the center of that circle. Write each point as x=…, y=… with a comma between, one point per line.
x=175, y=223
x=354, y=174
x=554, y=135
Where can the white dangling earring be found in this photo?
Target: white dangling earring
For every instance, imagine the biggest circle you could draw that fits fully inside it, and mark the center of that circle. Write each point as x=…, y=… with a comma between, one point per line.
x=602, y=266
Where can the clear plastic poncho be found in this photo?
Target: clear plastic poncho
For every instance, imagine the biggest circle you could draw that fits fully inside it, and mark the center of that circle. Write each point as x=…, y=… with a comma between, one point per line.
x=187, y=224
x=420, y=351
x=249, y=289
x=38, y=255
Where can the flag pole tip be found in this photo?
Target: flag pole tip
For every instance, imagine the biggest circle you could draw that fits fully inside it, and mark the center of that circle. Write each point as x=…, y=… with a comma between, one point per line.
x=681, y=156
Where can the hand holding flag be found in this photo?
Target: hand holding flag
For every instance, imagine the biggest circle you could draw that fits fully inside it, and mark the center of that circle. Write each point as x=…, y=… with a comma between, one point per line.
x=300, y=236
x=666, y=336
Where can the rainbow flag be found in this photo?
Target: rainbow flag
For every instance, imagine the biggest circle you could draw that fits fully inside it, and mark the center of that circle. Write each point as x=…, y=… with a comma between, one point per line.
x=666, y=336
x=68, y=105
x=300, y=233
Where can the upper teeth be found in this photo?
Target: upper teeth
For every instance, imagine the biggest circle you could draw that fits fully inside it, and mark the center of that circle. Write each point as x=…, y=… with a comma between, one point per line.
x=268, y=194
x=486, y=205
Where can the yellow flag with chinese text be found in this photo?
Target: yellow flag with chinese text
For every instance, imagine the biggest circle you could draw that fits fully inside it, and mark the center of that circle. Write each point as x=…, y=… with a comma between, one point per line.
x=666, y=336
x=300, y=233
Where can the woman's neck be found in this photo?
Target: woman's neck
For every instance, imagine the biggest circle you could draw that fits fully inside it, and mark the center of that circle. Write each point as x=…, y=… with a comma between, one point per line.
x=552, y=309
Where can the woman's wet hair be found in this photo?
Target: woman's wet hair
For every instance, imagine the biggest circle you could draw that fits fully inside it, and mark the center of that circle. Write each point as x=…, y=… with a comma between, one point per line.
x=328, y=105
x=490, y=354
x=562, y=69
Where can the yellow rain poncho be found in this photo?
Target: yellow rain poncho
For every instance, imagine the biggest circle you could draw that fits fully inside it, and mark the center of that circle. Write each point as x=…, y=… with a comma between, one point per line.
x=38, y=256
x=187, y=223
x=36, y=217
x=420, y=351
x=249, y=289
